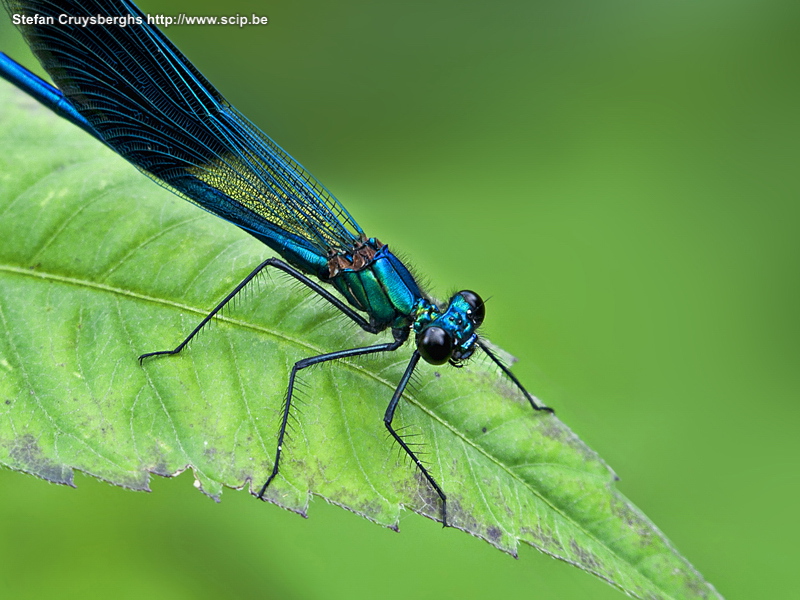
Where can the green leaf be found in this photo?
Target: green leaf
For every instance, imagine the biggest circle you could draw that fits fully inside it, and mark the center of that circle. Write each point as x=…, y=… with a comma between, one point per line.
x=99, y=265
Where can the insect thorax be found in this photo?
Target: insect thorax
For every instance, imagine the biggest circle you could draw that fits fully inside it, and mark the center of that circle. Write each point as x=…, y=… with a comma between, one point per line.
x=375, y=281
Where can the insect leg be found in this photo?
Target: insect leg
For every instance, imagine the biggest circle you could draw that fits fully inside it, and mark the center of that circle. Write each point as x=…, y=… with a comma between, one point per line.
x=533, y=400
x=400, y=337
x=278, y=264
x=389, y=416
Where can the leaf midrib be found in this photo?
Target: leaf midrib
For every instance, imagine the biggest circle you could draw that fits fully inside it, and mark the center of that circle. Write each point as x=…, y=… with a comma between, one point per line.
x=93, y=285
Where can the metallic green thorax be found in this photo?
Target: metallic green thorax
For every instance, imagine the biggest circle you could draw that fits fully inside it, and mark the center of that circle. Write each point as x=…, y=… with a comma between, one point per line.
x=372, y=279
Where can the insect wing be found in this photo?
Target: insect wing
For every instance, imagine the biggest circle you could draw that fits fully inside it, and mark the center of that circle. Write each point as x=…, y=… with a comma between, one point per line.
x=150, y=104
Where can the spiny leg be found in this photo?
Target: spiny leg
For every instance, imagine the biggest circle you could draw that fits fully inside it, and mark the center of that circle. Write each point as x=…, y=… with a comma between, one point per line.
x=278, y=264
x=507, y=371
x=400, y=337
x=389, y=416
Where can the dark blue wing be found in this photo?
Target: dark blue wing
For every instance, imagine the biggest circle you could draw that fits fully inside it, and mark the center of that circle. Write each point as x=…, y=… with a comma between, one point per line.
x=146, y=101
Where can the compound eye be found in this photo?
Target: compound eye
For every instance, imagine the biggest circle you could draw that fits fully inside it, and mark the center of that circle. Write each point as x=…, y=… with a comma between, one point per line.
x=477, y=309
x=435, y=345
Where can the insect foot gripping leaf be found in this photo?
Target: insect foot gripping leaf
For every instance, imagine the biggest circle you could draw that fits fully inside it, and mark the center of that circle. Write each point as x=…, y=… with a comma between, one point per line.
x=97, y=265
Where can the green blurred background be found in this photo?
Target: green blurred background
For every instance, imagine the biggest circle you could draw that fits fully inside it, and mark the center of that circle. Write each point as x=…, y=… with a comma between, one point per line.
x=620, y=178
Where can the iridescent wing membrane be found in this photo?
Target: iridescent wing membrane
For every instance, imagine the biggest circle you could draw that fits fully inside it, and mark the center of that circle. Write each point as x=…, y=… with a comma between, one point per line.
x=132, y=89
x=147, y=102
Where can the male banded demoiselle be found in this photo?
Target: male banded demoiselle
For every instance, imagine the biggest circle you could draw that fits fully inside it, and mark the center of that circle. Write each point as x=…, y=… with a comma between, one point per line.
x=134, y=91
